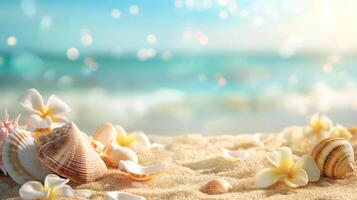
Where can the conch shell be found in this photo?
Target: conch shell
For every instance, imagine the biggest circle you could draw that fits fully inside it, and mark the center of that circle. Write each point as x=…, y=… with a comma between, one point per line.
x=20, y=158
x=217, y=186
x=334, y=156
x=68, y=152
x=138, y=172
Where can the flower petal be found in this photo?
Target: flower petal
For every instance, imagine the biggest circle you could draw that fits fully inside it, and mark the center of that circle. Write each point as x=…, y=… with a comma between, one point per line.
x=104, y=134
x=141, y=139
x=37, y=122
x=56, y=106
x=64, y=191
x=266, y=177
x=53, y=181
x=32, y=101
x=309, y=165
x=340, y=131
x=282, y=155
x=299, y=178
x=120, y=130
x=32, y=190
x=58, y=121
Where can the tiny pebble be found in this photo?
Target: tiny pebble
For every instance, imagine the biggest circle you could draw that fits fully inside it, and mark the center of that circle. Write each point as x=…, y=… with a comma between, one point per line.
x=106, y=186
x=325, y=184
x=137, y=184
x=157, y=145
x=84, y=193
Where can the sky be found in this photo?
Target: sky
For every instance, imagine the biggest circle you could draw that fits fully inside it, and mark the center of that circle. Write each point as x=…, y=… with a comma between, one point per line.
x=133, y=26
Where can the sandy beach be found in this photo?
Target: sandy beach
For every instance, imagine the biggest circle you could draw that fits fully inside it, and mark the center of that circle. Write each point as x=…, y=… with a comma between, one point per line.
x=193, y=160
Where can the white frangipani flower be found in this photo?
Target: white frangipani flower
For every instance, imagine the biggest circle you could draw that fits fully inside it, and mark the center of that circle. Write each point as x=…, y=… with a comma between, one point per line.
x=41, y=115
x=284, y=169
x=54, y=187
x=319, y=128
x=341, y=131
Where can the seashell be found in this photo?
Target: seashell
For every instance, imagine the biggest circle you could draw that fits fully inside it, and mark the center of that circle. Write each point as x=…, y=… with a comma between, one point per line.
x=6, y=126
x=217, y=186
x=260, y=139
x=138, y=172
x=20, y=158
x=334, y=156
x=121, y=196
x=115, y=153
x=235, y=154
x=70, y=154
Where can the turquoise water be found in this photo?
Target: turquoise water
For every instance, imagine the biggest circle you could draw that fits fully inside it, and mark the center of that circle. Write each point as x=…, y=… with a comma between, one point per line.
x=187, y=93
x=246, y=74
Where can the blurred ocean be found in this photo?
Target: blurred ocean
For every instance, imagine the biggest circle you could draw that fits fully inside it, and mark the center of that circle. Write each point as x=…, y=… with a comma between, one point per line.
x=212, y=93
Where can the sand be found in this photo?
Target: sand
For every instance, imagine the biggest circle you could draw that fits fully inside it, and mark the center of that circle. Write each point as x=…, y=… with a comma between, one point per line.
x=193, y=160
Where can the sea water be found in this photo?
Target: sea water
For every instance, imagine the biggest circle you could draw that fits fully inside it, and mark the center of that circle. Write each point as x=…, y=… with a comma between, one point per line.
x=214, y=93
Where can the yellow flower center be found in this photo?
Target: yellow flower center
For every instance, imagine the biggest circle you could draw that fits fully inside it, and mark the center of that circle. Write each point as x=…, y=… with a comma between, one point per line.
x=285, y=167
x=125, y=141
x=51, y=193
x=318, y=127
x=38, y=132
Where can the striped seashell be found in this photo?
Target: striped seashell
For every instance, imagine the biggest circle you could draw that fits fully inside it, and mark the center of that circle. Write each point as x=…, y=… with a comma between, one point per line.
x=71, y=155
x=20, y=158
x=334, y=156
x=138, y=172
x=217, y=186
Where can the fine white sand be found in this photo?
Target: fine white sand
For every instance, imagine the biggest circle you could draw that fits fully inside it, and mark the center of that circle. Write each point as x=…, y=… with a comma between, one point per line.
x=193, y=160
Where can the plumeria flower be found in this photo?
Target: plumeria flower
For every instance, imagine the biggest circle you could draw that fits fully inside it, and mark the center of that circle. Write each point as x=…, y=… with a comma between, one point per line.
x=43, y=116
x=108, y=133
x=342, y=132
x=319, y=127
x=54, y=187
x=285, y=170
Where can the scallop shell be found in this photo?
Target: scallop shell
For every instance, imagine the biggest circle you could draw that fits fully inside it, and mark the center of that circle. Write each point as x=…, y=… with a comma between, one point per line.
x=68, y=152
x=138, y=172
x=334, y=156
x=20, y=158
x=217, y=186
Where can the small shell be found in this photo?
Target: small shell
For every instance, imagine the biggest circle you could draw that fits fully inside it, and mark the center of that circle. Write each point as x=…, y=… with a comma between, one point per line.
x=235, y=154
x=20, y=158
x=115, y=153
x=217, y=186
x=71, y=155
x=138, y=172
x=121, y=196
x=334, y=156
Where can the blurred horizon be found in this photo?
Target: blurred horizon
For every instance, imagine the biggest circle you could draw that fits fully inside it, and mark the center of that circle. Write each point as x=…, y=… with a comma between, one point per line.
x=178, y=66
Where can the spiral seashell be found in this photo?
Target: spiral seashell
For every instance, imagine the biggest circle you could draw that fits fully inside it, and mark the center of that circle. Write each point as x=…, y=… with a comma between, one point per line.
x=217, y=186
x=334, y=156
x=68, y=152
x=7, y=126
x=20, y=158
x=138, y=172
